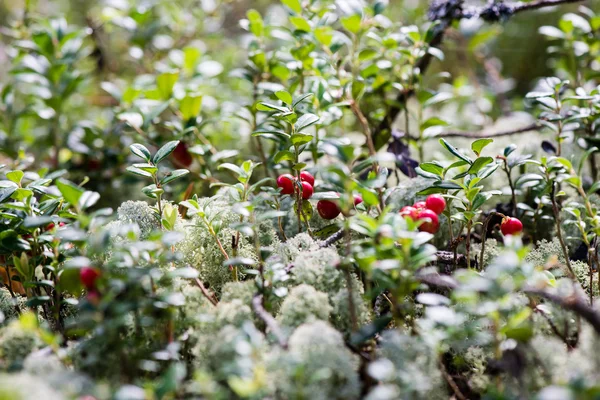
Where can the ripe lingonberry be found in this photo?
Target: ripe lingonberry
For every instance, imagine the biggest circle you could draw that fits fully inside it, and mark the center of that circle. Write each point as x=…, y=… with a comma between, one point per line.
x=307, y=190
x=89, y=276
x=420, y=205
x=182, y=155
x=328, y=209
x=408, y=211
x=435, y=203
x=430, y=219
x=357, y=199
x=286, y=183
x=511, y=226
x=307, y=177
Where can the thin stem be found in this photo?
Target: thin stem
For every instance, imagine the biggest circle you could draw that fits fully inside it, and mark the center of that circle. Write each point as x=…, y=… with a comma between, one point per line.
x=205, y=292
x=556, y=212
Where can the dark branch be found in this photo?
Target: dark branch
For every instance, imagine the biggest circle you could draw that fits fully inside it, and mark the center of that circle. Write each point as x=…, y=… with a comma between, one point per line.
x=333, y=238
x=573, y=303
x=534, y=5
x=268, y=319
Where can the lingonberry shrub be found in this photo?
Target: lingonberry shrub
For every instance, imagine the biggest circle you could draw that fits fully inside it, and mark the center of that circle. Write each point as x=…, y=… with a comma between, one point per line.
x=158, y=231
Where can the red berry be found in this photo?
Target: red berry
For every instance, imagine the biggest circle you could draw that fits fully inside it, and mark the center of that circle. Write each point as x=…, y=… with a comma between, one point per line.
x=328, y=209
x=286, y=183
x=307, y=190
x=50, y=226
x=408, y=211
x=435, y=203
x=357, y=199
x=430, y=219
x=307, y=177
x=182, y=155
x=420, y=205
x=511, y=226
x=89, y=276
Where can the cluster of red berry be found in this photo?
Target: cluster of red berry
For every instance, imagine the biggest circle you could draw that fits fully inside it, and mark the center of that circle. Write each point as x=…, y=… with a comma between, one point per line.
x=329, y=209
x=287, y=183
x=426, y=211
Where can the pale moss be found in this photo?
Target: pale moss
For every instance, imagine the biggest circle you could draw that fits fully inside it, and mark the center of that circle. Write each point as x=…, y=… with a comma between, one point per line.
x=476, y=360
x=201, y=250
x=8, y=305
x=341, y=317
x=318, y=268
x=317, y=365
x=197, y=311
x=582, y=272
x=544, y=251
x=15, y=345
x=235, y=354
x=234, y=313
x=492, y=250
x=304, y=304
x=241, y=290
x=301, y=243
x=408, y=363
x=141, y=214
x=25, y=386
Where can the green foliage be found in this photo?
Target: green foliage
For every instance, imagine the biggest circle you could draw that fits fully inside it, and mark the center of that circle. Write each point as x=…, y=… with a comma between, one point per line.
x=232, y=290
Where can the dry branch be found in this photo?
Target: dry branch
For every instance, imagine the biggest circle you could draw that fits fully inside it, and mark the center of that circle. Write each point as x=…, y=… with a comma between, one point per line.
x=268, y=319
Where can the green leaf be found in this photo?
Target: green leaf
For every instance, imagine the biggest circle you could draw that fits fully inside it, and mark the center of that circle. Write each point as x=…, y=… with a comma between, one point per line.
x=298, y=139
x=293, y=5
x=134, y=119
x=566, y=163
x=233, y=168
x=164, y=151
x=301, y=98
x=190, y=106
x=479, y=163
x=352, y=23
x=141, y=151
x=88, y=199
x=433, y=168
x=256, y=25
x=171, y=176
x=6, y=192
x=478, y=145
x=15, y=176
x=433, y=121
x=455, y=151
x=165, y=83
x=262, y=106
x=300, y=23
x=71, y=192
x=36, y=222
x=139, y=172
x=305, y=121
x=284, y=155
x=358, y=89
x=284, y=96
x=509, y=149
x=324, y=34
x=150, y=168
